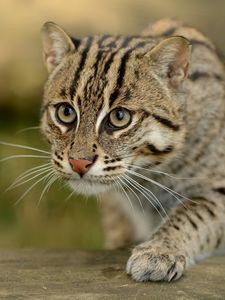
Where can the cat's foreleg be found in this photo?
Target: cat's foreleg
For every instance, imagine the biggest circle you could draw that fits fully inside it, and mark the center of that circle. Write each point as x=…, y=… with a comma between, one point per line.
x=194, y=230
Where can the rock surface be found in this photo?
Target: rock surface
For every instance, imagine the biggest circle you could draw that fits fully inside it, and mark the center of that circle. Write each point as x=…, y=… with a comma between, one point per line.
x=65, y=275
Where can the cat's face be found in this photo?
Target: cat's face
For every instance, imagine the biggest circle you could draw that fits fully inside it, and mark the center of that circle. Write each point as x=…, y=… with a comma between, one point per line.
x=111, y=104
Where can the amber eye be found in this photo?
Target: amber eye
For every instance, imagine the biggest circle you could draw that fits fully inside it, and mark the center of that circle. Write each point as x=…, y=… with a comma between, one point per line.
x=120, y=117
x=66, y=113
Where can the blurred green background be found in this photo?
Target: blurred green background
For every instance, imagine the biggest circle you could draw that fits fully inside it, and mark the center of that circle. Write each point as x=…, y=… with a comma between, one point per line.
x=56, y=222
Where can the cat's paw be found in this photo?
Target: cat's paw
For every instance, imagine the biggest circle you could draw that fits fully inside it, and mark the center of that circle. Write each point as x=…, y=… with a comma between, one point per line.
x=149, y=264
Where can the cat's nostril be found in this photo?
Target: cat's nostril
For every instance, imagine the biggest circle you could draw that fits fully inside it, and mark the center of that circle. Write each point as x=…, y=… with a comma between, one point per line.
x=81, y=166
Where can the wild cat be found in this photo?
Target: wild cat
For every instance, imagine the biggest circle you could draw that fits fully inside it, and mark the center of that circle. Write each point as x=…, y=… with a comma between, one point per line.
x=140, y=121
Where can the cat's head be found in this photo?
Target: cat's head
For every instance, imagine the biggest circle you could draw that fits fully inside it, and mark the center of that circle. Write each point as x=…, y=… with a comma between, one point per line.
x=112, y=103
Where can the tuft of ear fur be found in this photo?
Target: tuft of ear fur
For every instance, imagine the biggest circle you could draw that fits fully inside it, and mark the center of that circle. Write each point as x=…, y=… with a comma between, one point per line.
x=56, y=45
x=170, y=59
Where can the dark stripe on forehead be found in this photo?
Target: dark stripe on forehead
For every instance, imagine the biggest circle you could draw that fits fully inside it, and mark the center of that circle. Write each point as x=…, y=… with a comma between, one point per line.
x=112, y=43
x=166, y=122
x=124, y=44
x=97, y=61
x=76, y=42
x=80, y=67
x=100, y=43
x=101, y=40
x=63, y=93
x=121, y=73
x=122, y=70
x=108, y=62
x=101, y=53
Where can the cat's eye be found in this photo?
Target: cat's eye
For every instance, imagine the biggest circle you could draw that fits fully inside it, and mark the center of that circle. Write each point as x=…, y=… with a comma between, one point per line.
x=120, y=118
x=66, y=113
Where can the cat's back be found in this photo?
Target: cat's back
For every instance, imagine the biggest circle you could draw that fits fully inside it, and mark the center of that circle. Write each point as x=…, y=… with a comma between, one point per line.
x=205, y=60
x=205, y=82
x=205, y=89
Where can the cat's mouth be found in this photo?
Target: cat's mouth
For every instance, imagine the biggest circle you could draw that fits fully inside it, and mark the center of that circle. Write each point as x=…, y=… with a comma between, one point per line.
x=89, y=182
x=90, y=187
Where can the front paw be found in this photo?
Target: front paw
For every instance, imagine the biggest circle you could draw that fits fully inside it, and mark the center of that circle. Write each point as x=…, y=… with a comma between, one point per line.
x=155, y=264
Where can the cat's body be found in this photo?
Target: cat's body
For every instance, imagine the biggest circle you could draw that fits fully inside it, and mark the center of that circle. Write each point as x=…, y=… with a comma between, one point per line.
x=139, y=112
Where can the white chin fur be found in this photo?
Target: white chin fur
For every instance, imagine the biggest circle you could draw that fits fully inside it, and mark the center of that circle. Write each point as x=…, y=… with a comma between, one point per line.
x=86, y=188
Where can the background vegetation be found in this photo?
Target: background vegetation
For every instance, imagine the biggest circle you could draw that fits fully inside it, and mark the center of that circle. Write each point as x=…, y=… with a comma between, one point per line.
x=56, y=222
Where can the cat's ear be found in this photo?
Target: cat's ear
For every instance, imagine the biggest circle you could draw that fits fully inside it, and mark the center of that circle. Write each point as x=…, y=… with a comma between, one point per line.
x=56, y=45
x=170, y=59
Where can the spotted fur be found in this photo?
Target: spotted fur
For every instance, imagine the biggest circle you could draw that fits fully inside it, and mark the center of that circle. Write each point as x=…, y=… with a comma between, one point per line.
x=176, y=99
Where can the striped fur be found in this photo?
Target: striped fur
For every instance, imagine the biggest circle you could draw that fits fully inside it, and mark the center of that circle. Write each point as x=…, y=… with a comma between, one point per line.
x=177, y=108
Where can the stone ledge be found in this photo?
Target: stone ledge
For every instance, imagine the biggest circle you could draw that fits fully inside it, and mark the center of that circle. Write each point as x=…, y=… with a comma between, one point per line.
x=65, y=275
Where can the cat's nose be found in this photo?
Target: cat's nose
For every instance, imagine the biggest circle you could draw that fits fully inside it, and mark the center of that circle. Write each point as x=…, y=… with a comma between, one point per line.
x=81, y=166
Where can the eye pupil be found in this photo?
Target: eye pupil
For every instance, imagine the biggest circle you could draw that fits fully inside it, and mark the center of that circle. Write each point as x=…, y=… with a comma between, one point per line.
x=67, y=111
x=119, y=115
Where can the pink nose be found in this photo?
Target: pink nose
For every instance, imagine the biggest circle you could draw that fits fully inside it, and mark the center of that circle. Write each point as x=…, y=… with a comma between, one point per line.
x=80, y=166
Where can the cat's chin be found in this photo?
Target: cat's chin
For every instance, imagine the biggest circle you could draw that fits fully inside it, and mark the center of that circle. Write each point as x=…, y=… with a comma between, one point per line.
x=89, y=188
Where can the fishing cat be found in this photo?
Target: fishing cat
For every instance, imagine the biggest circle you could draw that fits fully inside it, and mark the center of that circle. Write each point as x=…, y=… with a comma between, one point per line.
x=140, y=121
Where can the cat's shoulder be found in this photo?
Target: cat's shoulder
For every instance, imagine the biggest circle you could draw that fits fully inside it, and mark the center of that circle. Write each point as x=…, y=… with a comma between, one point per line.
x=171, y=27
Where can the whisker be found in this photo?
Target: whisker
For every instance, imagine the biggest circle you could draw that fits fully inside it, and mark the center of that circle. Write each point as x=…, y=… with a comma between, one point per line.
x=116, y=186
x=70, y=195
x=52, y=178
x=121, y=186
x=23, y=156
x=163, y=173
x=98, y=200
x=127, y=156
x=143, y=211
x=145, y=191
x=29, y=179
x=30, y=188
x=31, y=170
x=27, y=129
x=27, y=174
x=24, y=147
x=170, y=191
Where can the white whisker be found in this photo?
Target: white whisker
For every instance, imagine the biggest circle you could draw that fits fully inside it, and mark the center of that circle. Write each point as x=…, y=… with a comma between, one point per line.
x=24, y=147
x=70, y=195
x=29, y=179
x=127, y=156
x=30, y=188
x=121, y=186
x=23, y=156
x=28, y=129
x=20, y=178
x=30, y=171
x=52, y=178
x=149, y=193
x=139, y=200
x=163, y=173
x=98, y=199
x=170, y=191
